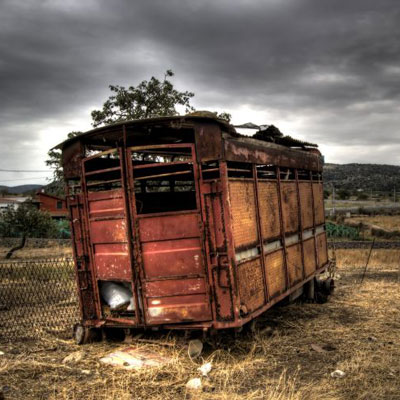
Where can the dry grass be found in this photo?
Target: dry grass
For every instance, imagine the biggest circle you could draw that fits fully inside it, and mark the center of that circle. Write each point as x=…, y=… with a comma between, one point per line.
x=360, y=324
x=389, y=222
x=29, y=252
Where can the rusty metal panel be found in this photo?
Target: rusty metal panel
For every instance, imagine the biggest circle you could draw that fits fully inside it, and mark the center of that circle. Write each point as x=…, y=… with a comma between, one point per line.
x=113, y=264
x=216, y=239
x=108, y=231
x=72, y=156
x=251, y=285
x=175, y=282
x=243, y=211
x=108, y=235
x=309, y=256
x=177, y=309
x=306, y=202
x=255, y=151
x=172, y=257
x=290, y=207
x=105, y=204
x=83, y=271
x=319, y=203
x=275, y=272
x=294, y=264
x=169, y=227
x=322, y=249
x=208, y=141
x=269, y=209
x=174, y=287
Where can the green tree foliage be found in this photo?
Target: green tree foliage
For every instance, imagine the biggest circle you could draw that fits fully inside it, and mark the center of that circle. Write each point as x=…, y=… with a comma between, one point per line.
x=343, y=194
x=151, y=98
x=26, y=221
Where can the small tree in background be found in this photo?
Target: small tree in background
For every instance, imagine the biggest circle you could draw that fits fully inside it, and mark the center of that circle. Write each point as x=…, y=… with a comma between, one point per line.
x=343, y=194
x=26, y=221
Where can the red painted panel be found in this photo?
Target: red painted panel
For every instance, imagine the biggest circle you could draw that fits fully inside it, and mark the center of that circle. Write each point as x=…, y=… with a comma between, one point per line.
x=176, y=300
x=108, y=231
x=171, y=248
x=169, y=227
x=113, y=266
x=172, y=258
x=172, y=287
x=184, y=312
x=106, y=207
x=104, y=195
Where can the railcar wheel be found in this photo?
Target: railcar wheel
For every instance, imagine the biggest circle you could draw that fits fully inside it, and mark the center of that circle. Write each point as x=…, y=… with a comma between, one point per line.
x=81, y=334
x=84, y=335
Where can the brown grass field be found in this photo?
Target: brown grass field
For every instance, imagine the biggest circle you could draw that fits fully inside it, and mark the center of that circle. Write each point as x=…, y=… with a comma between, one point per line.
x=389, y=222
x=29, y=252
x=359, y=328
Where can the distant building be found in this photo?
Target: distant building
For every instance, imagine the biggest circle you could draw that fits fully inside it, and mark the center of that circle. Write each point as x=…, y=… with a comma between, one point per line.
x=55, y=206
x=11, y=201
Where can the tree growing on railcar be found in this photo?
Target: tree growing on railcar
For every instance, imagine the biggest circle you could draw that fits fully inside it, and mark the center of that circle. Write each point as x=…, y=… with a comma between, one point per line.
x=153, y=98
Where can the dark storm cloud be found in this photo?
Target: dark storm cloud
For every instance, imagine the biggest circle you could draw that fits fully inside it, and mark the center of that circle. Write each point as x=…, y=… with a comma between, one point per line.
x=334, y=65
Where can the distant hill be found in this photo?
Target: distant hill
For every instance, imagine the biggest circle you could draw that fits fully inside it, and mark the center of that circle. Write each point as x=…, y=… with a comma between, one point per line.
x=376, y=177
x=21, y=189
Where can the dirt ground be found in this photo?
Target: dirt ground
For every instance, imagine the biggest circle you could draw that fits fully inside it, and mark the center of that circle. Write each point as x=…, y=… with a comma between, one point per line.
x=289, y=353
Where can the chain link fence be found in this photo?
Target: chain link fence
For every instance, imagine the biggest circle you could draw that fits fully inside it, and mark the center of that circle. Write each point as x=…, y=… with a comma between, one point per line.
x=37, y=297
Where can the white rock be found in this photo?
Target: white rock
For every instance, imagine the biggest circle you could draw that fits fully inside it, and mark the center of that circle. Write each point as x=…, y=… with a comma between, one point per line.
x=1, y=353
x=205, y=368
x=338, y=374
x=194, y=384
x=86, y=372
x=73, y=357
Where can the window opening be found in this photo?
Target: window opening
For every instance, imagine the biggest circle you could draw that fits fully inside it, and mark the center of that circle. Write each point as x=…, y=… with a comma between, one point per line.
x=103, y=172
x=266, y=171
x=287, y=174
x=239, y=170
x=210, y=170
x=164, y=180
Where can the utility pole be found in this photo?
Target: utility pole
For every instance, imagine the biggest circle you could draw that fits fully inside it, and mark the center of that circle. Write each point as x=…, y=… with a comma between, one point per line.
x=394, y=194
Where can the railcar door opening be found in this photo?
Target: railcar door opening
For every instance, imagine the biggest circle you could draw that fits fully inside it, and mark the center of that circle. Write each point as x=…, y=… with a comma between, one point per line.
x=166, y=215
x=108, y=221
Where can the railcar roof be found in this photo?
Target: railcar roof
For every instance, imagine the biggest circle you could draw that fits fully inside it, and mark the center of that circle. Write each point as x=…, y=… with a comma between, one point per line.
x=112, y=132
x=99, y=133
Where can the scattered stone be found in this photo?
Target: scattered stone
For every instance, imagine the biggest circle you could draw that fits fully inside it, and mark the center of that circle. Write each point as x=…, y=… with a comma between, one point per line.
x=372, y=338
x=132, y=358
x=194, y=384
x=338, y=374
x=1, y=353
x=317, y=348
x=195, y=348
x=86, y=372
x=205, y=368
x=73, y=357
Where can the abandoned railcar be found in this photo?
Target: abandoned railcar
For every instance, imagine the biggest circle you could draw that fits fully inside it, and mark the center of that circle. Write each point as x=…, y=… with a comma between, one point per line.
x=180, y=222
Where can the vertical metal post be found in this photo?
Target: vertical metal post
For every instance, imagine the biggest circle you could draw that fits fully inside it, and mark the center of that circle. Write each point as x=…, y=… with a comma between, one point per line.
x=260, y=236
x=281, y=220
x=126, y=192
x=296, y=173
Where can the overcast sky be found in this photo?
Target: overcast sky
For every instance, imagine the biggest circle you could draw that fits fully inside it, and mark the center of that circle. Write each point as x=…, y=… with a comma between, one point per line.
x=321, y=70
